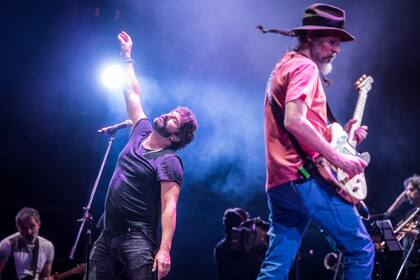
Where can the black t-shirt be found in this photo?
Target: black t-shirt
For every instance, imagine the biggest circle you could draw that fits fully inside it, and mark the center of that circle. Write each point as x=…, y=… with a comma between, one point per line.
x=133, y=198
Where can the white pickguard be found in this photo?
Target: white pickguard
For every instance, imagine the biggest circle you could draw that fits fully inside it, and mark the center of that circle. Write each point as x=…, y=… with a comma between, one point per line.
x=356, y=186
x=354, y=189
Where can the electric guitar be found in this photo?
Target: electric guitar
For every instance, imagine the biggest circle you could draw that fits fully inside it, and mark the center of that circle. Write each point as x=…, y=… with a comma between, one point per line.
x=77, y=270
x=354, y=189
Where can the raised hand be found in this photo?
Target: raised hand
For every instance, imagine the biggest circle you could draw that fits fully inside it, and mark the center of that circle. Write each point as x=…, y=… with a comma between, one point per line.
x=126, y=44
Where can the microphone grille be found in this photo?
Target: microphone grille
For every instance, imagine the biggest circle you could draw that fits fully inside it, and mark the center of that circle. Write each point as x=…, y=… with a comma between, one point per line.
x=129, y=123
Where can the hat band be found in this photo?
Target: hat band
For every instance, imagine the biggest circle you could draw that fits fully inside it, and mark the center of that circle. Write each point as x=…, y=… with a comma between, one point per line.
x=321, y=21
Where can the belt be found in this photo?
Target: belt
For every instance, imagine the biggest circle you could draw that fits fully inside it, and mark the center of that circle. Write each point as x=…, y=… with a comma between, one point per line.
x=119, y=231
x=300, y=181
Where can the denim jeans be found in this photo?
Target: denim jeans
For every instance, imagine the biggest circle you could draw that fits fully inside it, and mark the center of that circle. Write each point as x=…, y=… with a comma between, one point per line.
x=130, y=253
x=292, y=206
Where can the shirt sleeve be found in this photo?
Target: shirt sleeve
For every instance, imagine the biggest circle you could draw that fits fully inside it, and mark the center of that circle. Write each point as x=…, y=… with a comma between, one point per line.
x=5, y=249
x=303, y=82
x=170, y=169
x=141, y=129
x=50, y=253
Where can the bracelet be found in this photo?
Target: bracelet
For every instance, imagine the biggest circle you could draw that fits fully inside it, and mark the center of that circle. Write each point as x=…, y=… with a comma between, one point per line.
x=128, y=60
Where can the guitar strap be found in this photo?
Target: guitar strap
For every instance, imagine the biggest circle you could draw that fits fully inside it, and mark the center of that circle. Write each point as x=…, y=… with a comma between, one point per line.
x=35, y=255
x=309, y=167
x=330, y=115
x=17, y=245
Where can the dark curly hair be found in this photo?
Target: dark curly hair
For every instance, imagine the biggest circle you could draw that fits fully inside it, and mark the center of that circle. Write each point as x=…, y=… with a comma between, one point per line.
x=414, y=180
x=188, y=127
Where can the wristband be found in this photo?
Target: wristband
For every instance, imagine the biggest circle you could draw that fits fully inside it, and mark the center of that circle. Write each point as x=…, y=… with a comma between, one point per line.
x=128, y=60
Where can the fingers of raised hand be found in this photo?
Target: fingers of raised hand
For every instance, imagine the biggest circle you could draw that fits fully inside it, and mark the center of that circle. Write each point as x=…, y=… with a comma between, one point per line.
x=124, y=37
x=125, y=34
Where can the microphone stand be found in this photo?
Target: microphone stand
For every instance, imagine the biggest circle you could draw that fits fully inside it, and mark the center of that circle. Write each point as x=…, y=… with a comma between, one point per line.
x=407, y=256
x=87, y=217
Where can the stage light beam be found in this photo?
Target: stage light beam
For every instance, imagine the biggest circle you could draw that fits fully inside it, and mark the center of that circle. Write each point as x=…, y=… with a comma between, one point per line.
x=112, y=77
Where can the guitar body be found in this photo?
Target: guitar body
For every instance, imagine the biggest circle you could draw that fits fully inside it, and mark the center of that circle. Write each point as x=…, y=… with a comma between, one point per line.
x=353, y=190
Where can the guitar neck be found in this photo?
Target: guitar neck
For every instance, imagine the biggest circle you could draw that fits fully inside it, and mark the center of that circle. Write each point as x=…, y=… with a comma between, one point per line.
x=358, y=116
x=63, y=275
x=79, y=269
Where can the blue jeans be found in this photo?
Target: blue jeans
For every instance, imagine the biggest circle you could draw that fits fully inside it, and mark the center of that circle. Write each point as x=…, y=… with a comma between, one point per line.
x=292, y=206
x=130, y=253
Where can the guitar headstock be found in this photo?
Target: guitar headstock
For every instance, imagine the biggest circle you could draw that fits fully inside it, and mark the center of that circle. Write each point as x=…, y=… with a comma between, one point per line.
x=364, y=84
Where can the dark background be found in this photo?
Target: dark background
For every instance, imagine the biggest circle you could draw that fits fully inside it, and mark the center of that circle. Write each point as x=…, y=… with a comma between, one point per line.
x=203, y=54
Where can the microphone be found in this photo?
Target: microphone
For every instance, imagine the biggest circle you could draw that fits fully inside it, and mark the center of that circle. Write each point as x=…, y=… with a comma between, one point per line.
x=113, y=128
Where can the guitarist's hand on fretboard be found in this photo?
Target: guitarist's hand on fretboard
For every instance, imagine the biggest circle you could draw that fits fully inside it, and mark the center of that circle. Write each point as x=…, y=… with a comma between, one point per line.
x=360, y=133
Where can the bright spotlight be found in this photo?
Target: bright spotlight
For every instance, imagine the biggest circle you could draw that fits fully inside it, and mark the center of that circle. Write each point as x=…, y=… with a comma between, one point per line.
x=112, y=77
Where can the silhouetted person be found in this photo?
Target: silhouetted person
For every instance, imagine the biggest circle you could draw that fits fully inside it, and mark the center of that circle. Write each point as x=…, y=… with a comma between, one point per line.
x=234, y=259
x=25, y=254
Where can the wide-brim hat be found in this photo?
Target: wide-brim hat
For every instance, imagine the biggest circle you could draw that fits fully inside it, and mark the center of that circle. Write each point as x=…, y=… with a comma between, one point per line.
x=326, y=18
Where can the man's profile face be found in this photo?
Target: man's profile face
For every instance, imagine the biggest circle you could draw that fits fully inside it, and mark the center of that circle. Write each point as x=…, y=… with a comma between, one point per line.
x=323, y=52
x=29, y=229
x=413, y=194
x=167, y=124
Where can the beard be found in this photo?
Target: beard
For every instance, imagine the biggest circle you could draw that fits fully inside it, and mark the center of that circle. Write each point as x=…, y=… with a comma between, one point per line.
x=159, y=125
x=325, y=65
x=326, y=68
x=30, y=238
x=323, y=61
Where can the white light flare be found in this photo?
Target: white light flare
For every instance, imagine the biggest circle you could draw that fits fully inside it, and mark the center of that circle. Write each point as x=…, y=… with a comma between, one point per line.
x=112, y=77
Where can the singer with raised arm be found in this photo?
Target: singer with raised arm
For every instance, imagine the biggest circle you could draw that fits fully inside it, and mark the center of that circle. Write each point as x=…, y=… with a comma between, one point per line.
x=143, y=190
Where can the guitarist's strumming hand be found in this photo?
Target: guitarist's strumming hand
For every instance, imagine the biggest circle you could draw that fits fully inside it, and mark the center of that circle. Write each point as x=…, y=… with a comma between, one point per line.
x=352, y=165
x=360, y=133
